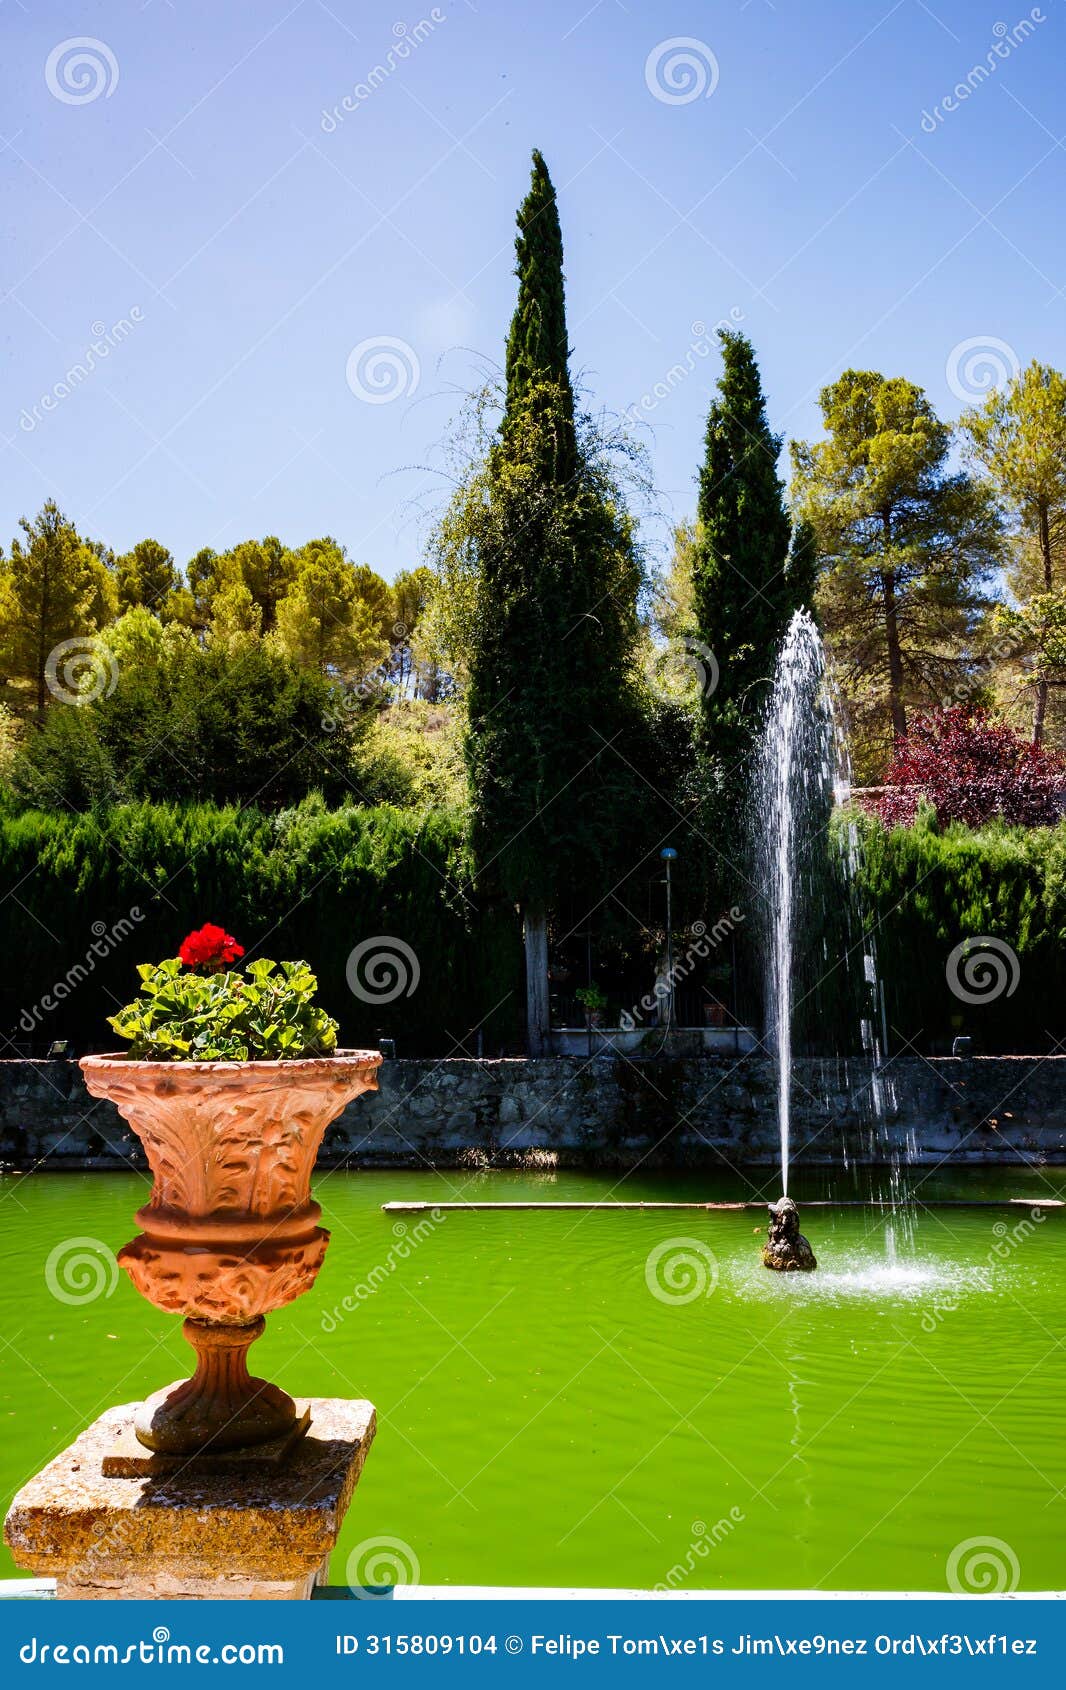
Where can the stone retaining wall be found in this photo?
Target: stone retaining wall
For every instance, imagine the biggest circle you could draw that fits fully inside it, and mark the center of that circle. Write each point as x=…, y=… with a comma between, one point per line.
x=682, y=1112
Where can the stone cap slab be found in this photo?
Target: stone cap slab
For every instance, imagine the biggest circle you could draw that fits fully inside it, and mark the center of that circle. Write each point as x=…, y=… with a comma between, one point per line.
x=193, y=1527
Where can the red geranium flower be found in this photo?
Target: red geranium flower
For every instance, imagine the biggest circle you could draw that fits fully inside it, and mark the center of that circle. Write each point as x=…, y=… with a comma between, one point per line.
x=210, y=947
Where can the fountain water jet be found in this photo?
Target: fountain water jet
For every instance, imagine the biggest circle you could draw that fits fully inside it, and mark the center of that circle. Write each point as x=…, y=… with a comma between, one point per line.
x=794, y=791
x=802, y=770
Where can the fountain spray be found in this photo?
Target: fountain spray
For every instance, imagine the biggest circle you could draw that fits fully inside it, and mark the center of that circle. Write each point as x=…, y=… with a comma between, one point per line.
x=794, y=789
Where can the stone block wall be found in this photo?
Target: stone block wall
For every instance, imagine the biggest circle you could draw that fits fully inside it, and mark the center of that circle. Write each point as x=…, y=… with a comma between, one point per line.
x=709, y=1111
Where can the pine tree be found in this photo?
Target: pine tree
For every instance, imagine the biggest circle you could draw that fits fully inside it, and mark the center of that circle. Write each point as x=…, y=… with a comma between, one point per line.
x=147, y=576
x=746, y=587
x=1018, y=437
x=54, y=588
x=907, y=544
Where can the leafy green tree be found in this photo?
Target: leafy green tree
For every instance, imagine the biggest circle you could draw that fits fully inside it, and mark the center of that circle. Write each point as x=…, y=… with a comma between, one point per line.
x=235, y=615
x=322, y=622
x=147, y=576
x=674, y=600
x=744, y=590
x=1018, y=437
x=906, y=546
x=202, y=582
x=54, y=587
x=191, y=722
x=537, y=532
x=412, y=593
x=377, y=595
x=137, y=639
x=266, y=567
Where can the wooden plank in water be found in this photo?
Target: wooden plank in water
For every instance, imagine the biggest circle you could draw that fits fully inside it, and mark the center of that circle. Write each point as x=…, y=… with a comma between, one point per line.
x=808, y=1203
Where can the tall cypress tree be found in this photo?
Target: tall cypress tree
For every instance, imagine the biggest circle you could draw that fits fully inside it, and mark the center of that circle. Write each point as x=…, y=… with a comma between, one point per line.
x=746, y=584
x=555, y=626
x=537, y=367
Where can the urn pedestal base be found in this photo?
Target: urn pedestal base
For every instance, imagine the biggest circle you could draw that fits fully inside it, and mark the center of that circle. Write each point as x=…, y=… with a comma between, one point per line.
x=194, y=1534
x=222, y=1406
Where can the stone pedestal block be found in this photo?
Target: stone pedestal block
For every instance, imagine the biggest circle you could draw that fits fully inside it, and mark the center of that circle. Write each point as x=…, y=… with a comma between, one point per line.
x=225, y=1531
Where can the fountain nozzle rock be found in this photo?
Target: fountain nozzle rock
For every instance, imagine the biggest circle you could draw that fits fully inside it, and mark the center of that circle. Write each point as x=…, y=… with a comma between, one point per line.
x=786, y=1250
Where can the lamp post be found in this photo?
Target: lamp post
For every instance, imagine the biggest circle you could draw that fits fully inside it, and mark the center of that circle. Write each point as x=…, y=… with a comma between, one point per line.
x=668, y=855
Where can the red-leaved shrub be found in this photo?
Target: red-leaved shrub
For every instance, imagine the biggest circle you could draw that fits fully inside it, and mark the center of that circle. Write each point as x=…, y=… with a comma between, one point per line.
x=972, y=768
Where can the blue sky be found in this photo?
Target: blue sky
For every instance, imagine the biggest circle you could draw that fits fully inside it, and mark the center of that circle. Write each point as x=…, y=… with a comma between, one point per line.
x=187, y=187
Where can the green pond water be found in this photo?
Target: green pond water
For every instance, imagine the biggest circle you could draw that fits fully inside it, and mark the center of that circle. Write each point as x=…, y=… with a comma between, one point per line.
x=562, y=1401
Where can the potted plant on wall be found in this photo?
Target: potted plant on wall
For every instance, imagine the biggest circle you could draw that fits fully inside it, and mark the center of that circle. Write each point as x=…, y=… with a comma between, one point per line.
x=593, y=1002
x=230, y=1081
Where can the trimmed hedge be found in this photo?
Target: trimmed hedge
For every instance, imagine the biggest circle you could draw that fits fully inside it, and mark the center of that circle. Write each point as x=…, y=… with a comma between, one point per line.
x=926, y=891
x=87, y=897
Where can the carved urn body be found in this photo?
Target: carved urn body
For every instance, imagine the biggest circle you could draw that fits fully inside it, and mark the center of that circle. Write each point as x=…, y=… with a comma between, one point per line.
x=230, y=1231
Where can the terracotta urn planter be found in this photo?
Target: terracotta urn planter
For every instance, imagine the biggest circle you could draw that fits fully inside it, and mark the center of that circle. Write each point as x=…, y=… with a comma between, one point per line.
x=230, y=1231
